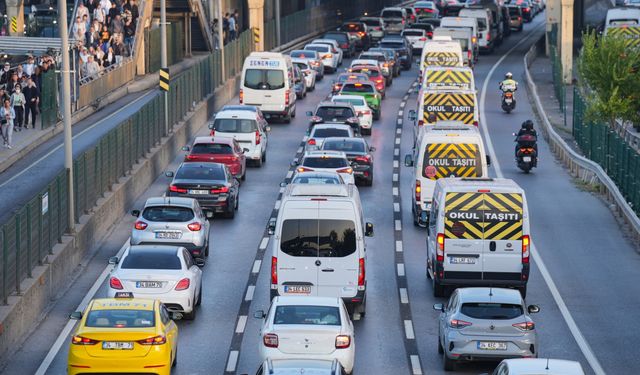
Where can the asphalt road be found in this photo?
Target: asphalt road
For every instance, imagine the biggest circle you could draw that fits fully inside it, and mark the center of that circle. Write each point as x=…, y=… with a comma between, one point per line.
x=592, y=268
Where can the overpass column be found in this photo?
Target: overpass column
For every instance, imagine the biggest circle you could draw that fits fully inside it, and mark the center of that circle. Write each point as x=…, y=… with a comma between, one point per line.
x=566, y=41
x=256, y=20
x=553, y=15
x=15, y=17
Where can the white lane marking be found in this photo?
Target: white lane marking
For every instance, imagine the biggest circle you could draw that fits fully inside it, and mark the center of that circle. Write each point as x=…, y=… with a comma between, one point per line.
x=566, y=314
x=401, y=113
x=305, y=138
x=404, y=296
x=399, y=122
x=395, y=191
x=282, y=189
x=250, y=290
x=398, y=225
x=399, y=131
x=396, y=207
x=408, y=330
x=299, y=150
x=396, y=152
x=399, y=246
x=396, y=164
x=415, y=365
x=242, y=323
x=277, y=206
x=403, y=103
x=264, y=243
x=256, y=266
x=397, y=140
x=100, y=122
x=400, y=267
x=233, y=361
x=63, y=336
x=289, y=174
x=395, y=177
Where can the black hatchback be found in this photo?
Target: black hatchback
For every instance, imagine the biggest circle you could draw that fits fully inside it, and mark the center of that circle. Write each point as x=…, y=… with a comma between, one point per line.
x=358, y=153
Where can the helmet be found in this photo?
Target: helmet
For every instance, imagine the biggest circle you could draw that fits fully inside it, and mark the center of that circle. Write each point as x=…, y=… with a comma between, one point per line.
x=527, y=125
x=508, y=75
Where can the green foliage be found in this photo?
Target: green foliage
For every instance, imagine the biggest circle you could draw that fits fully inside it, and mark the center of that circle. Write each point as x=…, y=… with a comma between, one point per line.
x=610, y=78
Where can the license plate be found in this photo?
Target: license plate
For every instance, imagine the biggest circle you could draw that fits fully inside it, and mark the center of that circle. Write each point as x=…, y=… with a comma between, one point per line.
x=169, y=235
x=492, y=345
x=297, y=289
x=358, y=173
x=117, y=345
x=198, y=192
x=148, y=284
x=526, y=158
x=462, y=260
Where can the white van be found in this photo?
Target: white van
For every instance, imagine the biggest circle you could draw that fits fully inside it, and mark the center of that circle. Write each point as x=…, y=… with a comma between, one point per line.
x=487, y=35
x=447, y=149
x=464, y=23
x=267, y=83
x=318, y=244
x=478, y=234
x=462, y=36
x=622, y=16
x=441, y=53
x=448, y=78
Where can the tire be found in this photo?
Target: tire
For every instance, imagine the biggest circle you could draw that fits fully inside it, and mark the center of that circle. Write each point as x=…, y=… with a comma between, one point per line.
x=440, y=348
x=244, y=175
x=199, y=297
x=258, y=163
x=293, y=114
x=376, y=115
x=438, y=289
x=206, y=249
x=230, y=214
x=175, y=360
x=523, y=291
x=449, y=364
x=237, y=205
x=191, y=315
x=264, y=157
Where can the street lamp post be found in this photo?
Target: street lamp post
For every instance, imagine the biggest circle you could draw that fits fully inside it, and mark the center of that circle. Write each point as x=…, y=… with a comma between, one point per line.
x=163, y=59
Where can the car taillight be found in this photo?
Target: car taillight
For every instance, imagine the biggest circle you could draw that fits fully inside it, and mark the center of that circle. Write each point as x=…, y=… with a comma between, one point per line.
x=519, y=18
x=526, y=240
x=241, y=96
x=420, y=122
x=475, y=123
x=418, y=192
x=363, y=159
x=176, y=189
x=488, y=36
x=430, y=35
x=223, y=189
x=311, y=142
x=365, y=112
x=257, y=137
x=525, y=326
x=79, y=340
x=336, y=87
x=474, y=39
x=155, y=340
x=469, y=55
x=270, y=340
x=327, y=56
x=440, y=247
x=423, y=39
x=361, y=272
x=343, y=341
x=457, y=323
x=526, y=10
x=286, y=98
x=212, y=132
x=194, y=227
x=348, y=170
x=115, y=283
x=344, y=45
x=183, y=284
x=274, y=271
x=361, y=34
x=140, y=225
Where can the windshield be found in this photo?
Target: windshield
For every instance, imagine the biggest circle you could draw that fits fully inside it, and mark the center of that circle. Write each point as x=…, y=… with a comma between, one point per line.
x=148, y=260
x=264, y=79
x=211, y=148
x=337, y=113
x=413, y=33
x=171, y=214
x=391, y=14
x=230, y=125
x=312, y=315
x=492, y=311
x=352, y=87
x=324, y=162
x=120, y=318
x=200, y=173
x=359, y=102
x=314, y=179
x=330, y=132
x=343, y=145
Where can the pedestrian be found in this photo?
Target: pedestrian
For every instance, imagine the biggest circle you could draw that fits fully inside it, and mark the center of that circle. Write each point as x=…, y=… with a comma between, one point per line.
x=92, y=37
x=225, y=28
x=3, y=95
x=236, y=15
x=232, y=28
x=6, y=123
x=13, y=83
x=30, y=66
x=111, y=14
x=99, y=14
x=32, y=97
x=109, y=58
x=117, y=25
x=129, y=32
x=79, y=29
x=19, y=71
x=17, y=102
x=132, y=8
x=82, y=10
x=5, y=74
x=91, y=68
x=105, y=35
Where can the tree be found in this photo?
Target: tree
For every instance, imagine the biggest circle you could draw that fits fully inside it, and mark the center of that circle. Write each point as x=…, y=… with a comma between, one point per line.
x=610, y=79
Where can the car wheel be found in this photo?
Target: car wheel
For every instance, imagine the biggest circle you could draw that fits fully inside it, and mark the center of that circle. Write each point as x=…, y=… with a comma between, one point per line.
x=264, y=157
x=191, y=315
x=440, y=348
x=293, y=114
x=237, y=205
x=206, y=249
x=259, y=162
x=199, y=297
x=376, y=115
x=244, y=175
x=449, y=364
x=369, y=181
x=438, y=289
x=175, y=360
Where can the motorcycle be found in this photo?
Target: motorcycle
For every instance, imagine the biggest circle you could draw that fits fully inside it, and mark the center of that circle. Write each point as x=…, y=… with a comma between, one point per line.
x=508, y=101
x=526, y=152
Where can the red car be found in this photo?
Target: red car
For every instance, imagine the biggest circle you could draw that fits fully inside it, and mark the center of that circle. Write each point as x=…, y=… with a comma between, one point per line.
x=375, y=76
x=224, y=150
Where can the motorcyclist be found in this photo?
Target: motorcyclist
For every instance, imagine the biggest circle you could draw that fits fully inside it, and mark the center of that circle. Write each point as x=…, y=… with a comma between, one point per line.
x=509, y=84
x=526, y=129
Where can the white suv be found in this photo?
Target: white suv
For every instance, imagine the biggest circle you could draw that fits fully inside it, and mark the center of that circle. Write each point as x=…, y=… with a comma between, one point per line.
x=246, y=127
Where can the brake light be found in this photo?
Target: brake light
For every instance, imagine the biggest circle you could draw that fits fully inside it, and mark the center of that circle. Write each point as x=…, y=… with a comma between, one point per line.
x=440, y=248
x=183, y=284
x=274, y=271
x=155, y=340
x=348, y=170
x=336, y=87
x=519, y=18
x=469, y=55
x=327, y=56
x=526, y=240
x=270, y=340
x=457, y=323
x=344, y=45
x=430, y=34
x=420, y=122
x=223, y=189
x=361, y=273
x=474, y=39
x=257, y=137
x=194, y=227
x=286, y=98
x=488, y=36
x=361, y=33
x=418, y=192
x=365, y=112
x=343, y=341
x=311, y=142
x=241, y=96
x=526, y=10
x=79, y=340
x=176, y=189
x=115, y=283
x=140, y=225
x=475, y=123
x=212, y=133
x=363, y=159
x=525, y=326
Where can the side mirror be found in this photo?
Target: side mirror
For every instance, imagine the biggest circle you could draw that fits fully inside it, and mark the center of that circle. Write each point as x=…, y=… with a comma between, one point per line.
x=309, y=113
x=295, y=163
x=114, y=260
x=368, y=230
x=176, y=316
x=208, y=214
x=245, y=150
x=267, y=129
x=76, y=315
x=210, y=126
x=417, y=89
x=283, y=184
x=372, y=149
x=413, y=116
x=533, y=309
x=185, y=148
x=168, y=174
x=135, y=213
x=272, y=226
x=259, y=314
x=408, y=160
x=488, y=160
x=438, y=307
x=199, y=262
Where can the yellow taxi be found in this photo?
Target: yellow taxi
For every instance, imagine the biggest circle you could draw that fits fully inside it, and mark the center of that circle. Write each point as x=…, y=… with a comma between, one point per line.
x=123, y=335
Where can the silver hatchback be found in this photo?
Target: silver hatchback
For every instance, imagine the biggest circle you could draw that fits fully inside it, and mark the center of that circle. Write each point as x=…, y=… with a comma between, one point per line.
x=485, y=324
x=172, y=221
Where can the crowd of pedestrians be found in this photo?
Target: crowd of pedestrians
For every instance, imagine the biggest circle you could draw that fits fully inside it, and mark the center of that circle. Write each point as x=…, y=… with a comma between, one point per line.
x=231, y=27
x=104, y=31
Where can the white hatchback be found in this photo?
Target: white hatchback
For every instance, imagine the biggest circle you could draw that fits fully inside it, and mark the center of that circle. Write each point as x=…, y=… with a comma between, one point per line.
x=327, y=161
x=297, y=327
x=365, y=115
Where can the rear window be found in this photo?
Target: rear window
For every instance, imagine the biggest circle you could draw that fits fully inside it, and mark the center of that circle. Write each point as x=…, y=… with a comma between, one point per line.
x=324, y=48
x=413, y=33
x=264, y=79
x=391, y=14
x=211, y=148
x=493, y=311
x=352, y=27
x=464, y=43
x=339, y=37
x=149, y=260
x=343, y=145
x=120, y=318
x=200, y=173
x=393, y=45
x=324, y=162
x=371, y=22
x=345, y=77
x=514, y=11
x=354, y=101
x=330, y=132
x=318, y=238
x=337, y=113
x=171, y=214
x=316, y=180
x=235, y=125
x=307, y=54
x=313, y=315
x=351, y=87
x=301, y=66
x=482, y=24
x=372, y=57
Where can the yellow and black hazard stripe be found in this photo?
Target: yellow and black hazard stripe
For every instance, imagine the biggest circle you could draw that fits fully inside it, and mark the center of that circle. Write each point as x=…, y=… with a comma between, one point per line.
x=442, y=59
x=14, y=24
x=450, y=106
x=449, y=78
x=452, y=160
x=631, y=34
x=489, y=216
x=165, y=79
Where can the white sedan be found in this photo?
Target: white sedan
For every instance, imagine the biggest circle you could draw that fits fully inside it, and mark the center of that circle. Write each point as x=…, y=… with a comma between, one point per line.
x=365, y=115
x=329, y=59
x=162, y=272
x=336, y=47
x=417, y=38
x=299, y=327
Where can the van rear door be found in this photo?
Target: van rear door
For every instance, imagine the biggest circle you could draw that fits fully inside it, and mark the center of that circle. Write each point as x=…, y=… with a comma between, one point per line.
x=265, y=84
x=503, y=230
x=298, y=253
x=463, y=234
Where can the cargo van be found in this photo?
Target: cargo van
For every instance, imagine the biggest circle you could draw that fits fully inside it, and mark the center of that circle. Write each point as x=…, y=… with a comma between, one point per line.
x=318, y=244
x=462, y=36
x=625, y=23
x=441, y=53
x=465, y=23
x=447, y=78
x=478, y=234
x=447, y=149
x=449, y=104
x=487, y=29
x=267, y=83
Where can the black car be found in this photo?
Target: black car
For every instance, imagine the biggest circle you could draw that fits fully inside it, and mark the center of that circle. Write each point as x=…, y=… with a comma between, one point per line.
x=211, y=184
x=339, y=113
x=347, y=45
x=402, y=46
x=358, y=153
x=359, y=30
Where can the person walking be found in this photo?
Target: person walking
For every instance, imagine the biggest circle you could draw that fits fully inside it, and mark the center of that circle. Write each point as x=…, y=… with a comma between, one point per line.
x=232, y=27
x=32, y=97
x=225, y=28
x=6, y=123
x=17, y=102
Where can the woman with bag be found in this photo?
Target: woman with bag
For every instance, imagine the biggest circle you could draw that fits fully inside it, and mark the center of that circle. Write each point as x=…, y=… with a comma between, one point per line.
x=17, y=102
x=7, y=115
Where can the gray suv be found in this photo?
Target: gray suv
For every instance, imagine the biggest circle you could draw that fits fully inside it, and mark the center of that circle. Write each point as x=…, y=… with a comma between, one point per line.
x=485, y=324
x=172, y=221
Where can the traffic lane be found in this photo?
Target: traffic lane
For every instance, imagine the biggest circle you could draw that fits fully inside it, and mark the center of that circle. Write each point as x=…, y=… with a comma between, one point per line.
x=569, y=227
x=379, y=334
x=45, y=162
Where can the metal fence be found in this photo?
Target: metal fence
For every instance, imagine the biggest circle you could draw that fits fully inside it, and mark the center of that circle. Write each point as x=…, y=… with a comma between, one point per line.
x=605, y=146
x=556, y=65
x=175, y=46
x=49, y=99
x=105, y=83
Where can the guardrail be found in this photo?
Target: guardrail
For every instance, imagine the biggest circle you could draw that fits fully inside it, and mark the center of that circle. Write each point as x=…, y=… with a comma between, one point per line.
x=586, y=170
x=106, y=83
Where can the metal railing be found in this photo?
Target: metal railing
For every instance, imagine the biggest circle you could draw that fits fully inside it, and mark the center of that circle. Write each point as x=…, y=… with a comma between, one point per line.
x=99, y=87
x=556, y=65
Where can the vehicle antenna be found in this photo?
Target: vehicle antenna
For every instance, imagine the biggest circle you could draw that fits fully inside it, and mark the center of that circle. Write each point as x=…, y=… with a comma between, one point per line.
x=547, y=364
